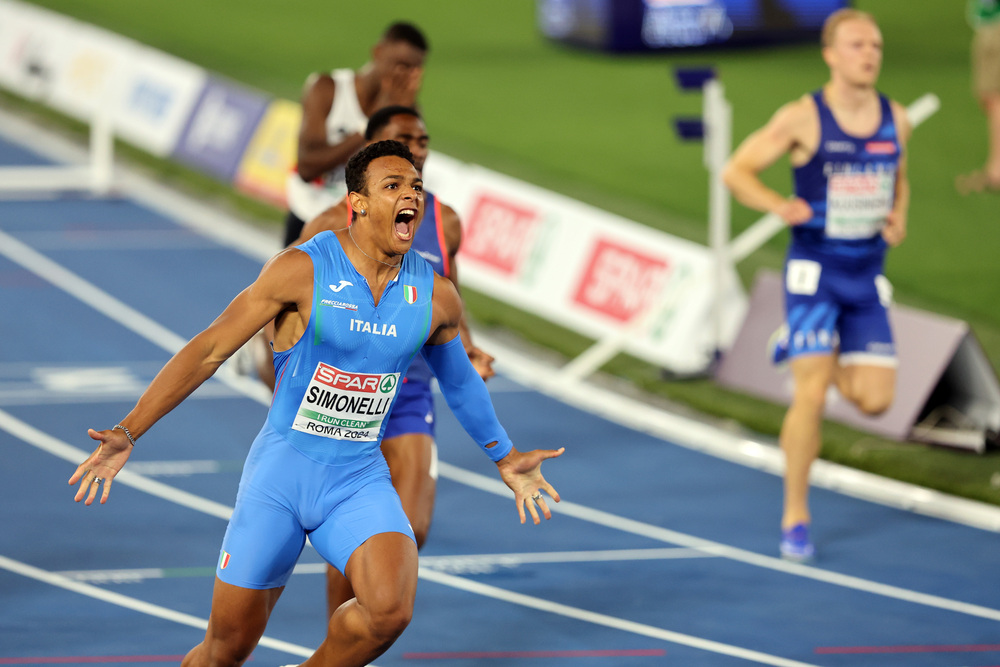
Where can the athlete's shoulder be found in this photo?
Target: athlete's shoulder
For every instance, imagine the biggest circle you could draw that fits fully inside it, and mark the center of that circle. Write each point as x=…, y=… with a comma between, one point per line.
x=799, y=111
x=794, y=123
x=332, y=219
x=324, y=245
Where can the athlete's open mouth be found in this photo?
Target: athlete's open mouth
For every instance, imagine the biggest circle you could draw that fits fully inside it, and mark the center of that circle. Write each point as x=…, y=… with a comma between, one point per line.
x=404, y=222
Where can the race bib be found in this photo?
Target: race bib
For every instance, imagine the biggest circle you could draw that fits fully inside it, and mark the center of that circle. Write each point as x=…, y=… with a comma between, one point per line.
x=343, y=405
x=857, y=203
x=802, y=276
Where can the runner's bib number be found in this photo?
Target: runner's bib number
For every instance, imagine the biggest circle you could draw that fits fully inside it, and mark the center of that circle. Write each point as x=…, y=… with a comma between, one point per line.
x=857, y=203
x=343, y=405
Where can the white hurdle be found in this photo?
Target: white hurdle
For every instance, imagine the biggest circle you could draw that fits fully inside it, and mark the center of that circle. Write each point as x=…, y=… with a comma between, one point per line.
x=96, y=176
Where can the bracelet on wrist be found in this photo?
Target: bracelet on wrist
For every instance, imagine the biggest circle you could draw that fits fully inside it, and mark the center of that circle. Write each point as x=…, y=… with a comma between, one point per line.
x=127, y=433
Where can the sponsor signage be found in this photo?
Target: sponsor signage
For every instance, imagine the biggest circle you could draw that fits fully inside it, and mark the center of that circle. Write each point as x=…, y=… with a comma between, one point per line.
x=32, y=48
x=220, y=128
x=582, y=268
x=619, y=281
x=270, y=157
x=96, y=62
x=498, y=232
x=155, y=100
x=586, y=269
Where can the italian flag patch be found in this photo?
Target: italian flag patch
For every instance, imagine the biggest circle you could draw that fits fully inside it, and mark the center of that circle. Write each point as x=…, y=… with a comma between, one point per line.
x=224, y=560
x=409, y=293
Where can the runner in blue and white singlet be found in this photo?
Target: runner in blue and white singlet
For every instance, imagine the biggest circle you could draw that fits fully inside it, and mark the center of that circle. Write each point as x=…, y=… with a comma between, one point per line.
x=835, y=293
x=846, y=144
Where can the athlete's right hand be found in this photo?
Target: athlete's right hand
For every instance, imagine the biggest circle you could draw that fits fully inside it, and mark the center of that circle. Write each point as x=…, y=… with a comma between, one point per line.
x=109, y=457
x=400, y=86
x=795, y=211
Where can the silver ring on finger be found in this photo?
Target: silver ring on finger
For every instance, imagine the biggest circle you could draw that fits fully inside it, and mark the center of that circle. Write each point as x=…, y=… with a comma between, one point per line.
x=537, y=496
x=98, y=480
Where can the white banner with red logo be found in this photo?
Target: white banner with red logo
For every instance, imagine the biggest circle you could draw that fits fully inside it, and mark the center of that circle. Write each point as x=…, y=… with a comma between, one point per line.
x=587, y=269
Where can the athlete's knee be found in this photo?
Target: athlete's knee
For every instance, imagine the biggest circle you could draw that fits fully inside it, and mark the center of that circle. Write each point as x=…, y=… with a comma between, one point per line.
x=230, y=649
x=389, y=617
x=874, y=403
x=810, y=395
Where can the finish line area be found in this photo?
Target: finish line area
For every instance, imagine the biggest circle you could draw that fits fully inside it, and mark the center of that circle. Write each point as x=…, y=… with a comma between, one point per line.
x=658, y=554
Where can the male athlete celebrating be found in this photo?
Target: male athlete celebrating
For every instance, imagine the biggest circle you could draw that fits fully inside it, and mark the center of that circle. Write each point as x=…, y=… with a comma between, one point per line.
x=351, y=309
x=408, y=441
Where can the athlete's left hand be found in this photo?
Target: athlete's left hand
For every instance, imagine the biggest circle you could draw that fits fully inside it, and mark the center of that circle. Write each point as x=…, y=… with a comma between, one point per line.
x=522, y=472
x=894, y=230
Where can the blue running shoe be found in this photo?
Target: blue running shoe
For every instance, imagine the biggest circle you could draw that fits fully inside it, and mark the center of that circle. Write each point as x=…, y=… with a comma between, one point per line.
x=777, y=346
x=795, y=544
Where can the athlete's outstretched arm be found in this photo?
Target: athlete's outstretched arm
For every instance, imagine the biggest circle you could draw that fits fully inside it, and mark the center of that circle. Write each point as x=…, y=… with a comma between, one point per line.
x=277, y=288
x=466, y=395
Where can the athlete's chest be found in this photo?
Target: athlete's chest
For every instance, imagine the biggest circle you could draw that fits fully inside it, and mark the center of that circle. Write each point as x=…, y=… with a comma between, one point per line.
x=347, y=317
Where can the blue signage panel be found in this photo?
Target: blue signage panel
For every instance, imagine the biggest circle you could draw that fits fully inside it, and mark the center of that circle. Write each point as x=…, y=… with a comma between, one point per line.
x=653, y=25
x=220, y=127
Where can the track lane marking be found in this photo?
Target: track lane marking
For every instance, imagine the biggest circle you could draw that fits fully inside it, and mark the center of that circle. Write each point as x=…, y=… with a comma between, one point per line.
x=134, y=604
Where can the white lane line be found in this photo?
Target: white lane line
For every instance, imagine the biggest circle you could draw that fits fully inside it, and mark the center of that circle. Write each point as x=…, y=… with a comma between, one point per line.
x=150, y=609
x=473, y=562
x=116, y=310
x=470, y=564
x=604, y=620
x=178, y=468
x=45, y=442
x=490, y=485
x=50, y=444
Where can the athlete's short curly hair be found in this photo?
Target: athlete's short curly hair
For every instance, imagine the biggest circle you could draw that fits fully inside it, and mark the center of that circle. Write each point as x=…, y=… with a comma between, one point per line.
x=384, y=116
x=356, y=173
x=401, y=31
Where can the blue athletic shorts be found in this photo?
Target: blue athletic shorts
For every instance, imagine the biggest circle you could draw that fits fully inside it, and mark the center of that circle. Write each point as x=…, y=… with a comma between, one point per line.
x=285, y=496
x=413, y=411
x=840, y=304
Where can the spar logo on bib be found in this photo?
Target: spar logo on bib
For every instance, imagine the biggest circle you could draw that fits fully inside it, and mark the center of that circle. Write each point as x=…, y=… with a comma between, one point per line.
x=409, y=294
x=343, y=405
